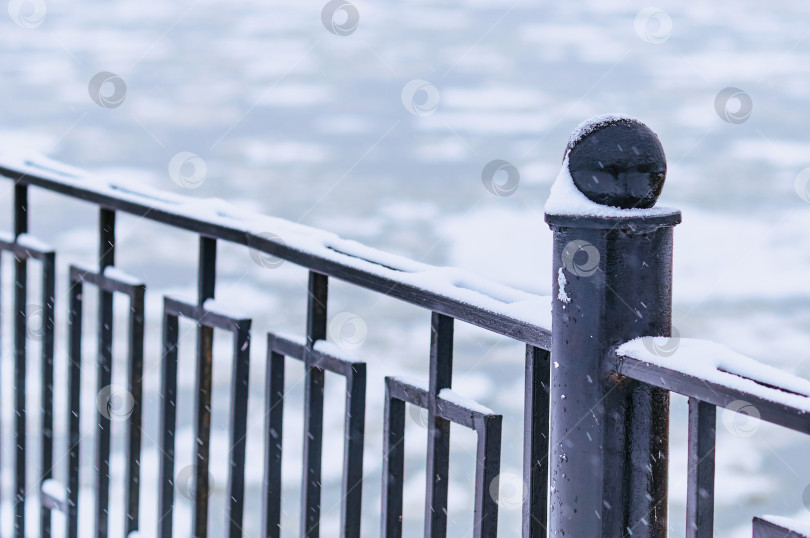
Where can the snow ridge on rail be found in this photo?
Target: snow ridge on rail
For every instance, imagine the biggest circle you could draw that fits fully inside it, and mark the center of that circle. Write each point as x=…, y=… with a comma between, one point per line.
x=447, y=282
x=722, y=366
x=786, y=524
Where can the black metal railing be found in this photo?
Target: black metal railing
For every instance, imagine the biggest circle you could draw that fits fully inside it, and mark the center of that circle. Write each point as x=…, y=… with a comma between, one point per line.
x=448, y=301
x=595, y=422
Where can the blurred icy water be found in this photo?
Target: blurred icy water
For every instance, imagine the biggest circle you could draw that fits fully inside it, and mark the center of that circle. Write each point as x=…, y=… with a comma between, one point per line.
x=296, y=122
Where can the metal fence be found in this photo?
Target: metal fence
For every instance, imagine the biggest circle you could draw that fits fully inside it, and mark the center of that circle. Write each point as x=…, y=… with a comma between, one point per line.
x=595, y=406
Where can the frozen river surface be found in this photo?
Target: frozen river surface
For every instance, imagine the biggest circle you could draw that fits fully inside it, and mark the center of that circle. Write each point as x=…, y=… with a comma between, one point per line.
x=289, y=119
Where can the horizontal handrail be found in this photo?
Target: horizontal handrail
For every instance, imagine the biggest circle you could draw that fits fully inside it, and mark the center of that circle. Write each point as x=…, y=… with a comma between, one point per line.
x=514, y=313
x=715, y=374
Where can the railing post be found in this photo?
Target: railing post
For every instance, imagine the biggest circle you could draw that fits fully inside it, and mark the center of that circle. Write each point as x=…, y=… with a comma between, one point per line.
x=612, y=282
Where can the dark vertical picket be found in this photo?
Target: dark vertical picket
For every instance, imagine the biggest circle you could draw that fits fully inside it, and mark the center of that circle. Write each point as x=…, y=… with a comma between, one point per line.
x=106, y=258
x=134, y=425
x=353, y=437
x=318, y=294
x=700, y=462
x=20, y=330
x=206, y=279
x=273, y=429
x=168, y=423
x=46, y=379
x=535, y=442
x=438, y=453
x=74, y=404
x=238, y=425
x=393, y=468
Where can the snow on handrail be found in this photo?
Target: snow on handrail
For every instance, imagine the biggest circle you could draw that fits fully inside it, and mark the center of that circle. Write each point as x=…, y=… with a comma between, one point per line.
x=30, y=242
x=716, y=374
x=781, y=526
x=25, y=242
x=494, y=306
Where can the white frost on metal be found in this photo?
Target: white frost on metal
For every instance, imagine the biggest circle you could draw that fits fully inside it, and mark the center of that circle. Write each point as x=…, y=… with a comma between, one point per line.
x=562, y=295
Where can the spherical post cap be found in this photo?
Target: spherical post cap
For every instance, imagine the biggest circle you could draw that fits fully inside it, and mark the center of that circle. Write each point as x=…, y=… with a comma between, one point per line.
x=617, y=161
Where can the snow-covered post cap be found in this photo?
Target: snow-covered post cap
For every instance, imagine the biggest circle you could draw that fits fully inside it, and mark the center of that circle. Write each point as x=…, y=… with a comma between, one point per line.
x=614, y=166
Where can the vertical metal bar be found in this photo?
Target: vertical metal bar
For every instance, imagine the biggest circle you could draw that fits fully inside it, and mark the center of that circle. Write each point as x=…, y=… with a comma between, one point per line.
x=106, y=258
x=135, y=388
x=206, y=280
x=20, y=300
x=168, y=422
x=700, y=477
x=438, y=451
x=239, y=408
x=273, y=428
x=74, y=405
x=487, y=468
x=46, y=373
x=353, y=436
x=393, y=466
x=206, y=269
x=535, y=443
x=313, y=444
x=313, y=408
x=317, y=297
